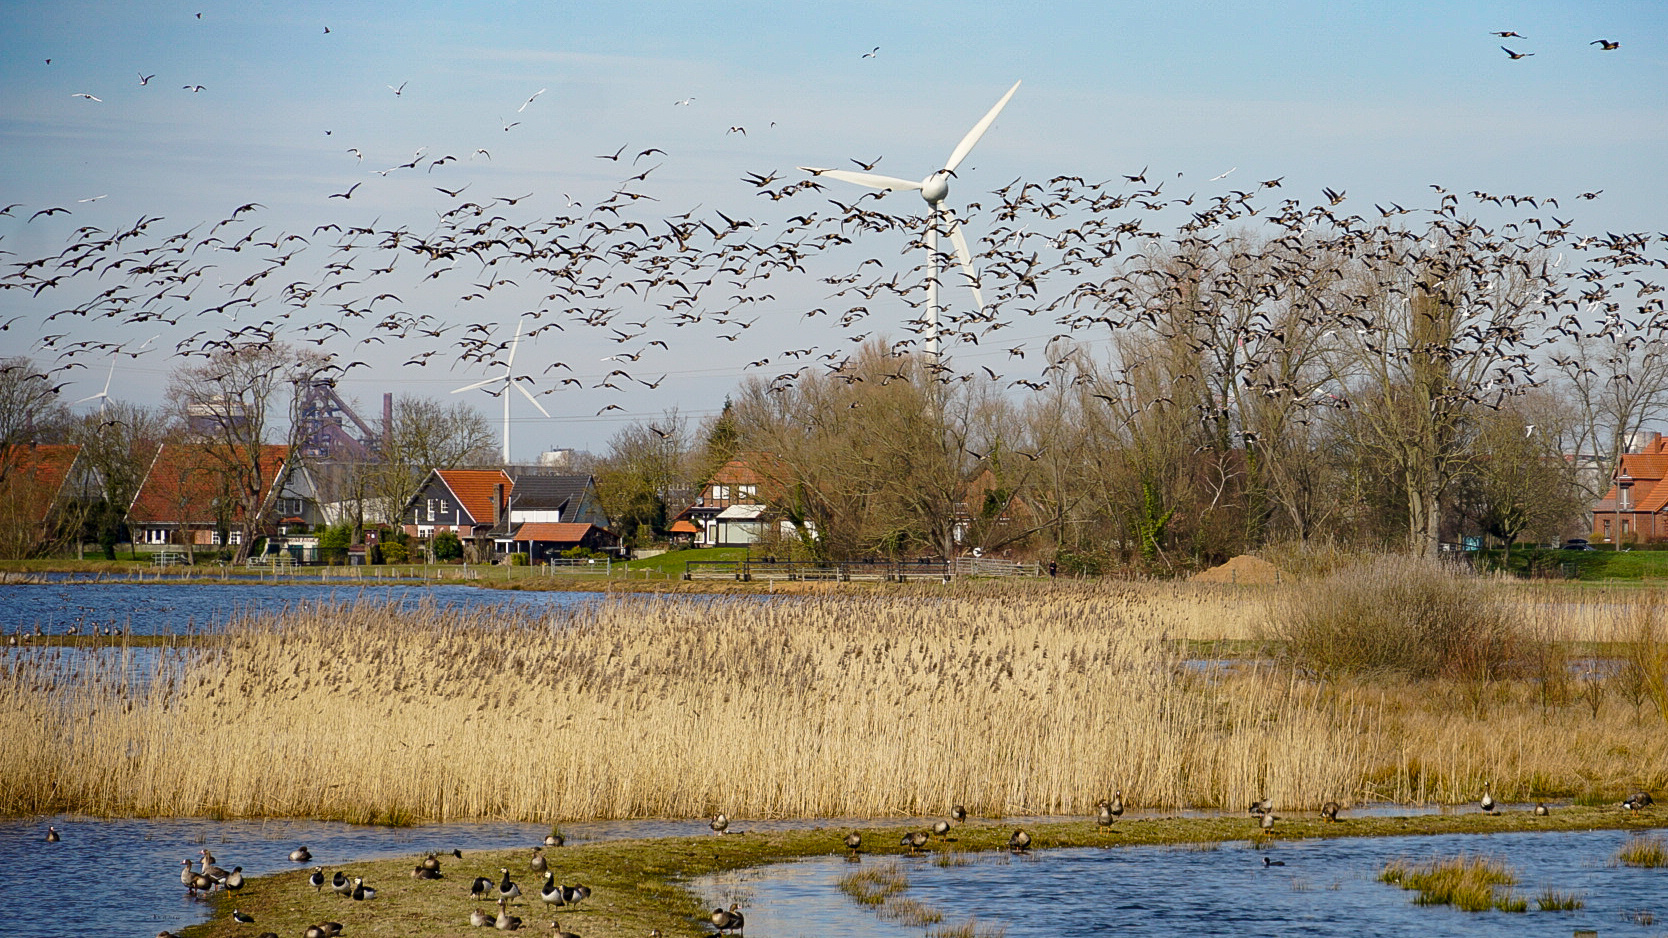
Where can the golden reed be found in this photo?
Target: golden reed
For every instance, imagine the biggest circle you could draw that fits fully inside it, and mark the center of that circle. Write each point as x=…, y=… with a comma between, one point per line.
x=1031, y=701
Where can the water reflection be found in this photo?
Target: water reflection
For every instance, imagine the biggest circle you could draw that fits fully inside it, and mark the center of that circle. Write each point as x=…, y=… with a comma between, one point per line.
x=1326, y=888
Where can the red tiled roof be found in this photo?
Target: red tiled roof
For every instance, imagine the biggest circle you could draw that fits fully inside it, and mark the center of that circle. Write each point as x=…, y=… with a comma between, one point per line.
x=1647, y=469
x=474, y=489
x=684, y=527
x=37, y=476
x=185, y=479
x=554, y=532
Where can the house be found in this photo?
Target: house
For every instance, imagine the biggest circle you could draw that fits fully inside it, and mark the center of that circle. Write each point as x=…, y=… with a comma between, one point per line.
x=733, y=507
x=990, y=513
x=186, y=497
x=1635, y=509
x=487, y=508
x=40, y=488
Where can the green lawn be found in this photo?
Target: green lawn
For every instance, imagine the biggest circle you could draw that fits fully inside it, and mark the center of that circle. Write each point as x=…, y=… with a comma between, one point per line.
x=671, y=563
x=1586, y=565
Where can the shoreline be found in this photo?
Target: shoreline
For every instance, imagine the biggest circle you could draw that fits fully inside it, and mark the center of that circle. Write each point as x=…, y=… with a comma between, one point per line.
x=649, y=884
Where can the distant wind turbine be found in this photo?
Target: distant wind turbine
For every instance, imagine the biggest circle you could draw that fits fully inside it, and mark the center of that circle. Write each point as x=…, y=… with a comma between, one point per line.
x=508, y=377
x=103, y=397
x=935, y=188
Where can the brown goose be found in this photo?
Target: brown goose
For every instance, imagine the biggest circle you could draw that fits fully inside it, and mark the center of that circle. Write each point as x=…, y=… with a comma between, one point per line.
x=1638, y=800
x=958, y=814
x=854, y=841
x=1103, y=813
x=554, y=839
x=1330, y=810
x=479, y=919
x=1118, y=803
x=914, y=840
x=721, y=823
x=941, y=828
x=538, y=863
x=1020, y=842
x=557, y=932
x=730, y=920
x=431, y=862
x=506, y=921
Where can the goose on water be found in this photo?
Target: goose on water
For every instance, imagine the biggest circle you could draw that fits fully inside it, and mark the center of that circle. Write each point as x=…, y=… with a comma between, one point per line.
x=52, y=835
x=1330, y=810
x=187, y=874
x=1488, y=803
x=1268, y=863
x=300, y=855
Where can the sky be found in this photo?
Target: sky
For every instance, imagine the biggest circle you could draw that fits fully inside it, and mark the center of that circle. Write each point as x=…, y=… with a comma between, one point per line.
x=1377, y=99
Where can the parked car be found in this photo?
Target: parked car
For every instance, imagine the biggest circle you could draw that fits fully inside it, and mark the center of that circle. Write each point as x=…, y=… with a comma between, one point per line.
x=1578, y=543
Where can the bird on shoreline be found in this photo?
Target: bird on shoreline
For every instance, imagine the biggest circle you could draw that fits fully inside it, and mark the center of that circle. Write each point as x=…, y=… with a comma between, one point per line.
x=914, y=840
x=1267, y=823
x=479, y=888
x=854, y=842
x=958, y=813
x=729, y=920
x=721, y=823
x=1118, y=803
x=1638, y=800
x=1541, y=810
x=1329, y=811
x=940, y=828
x=1020, y=842
x=1488, y=804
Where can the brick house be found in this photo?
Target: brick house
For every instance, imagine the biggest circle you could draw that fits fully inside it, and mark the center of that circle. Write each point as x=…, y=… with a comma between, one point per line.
x=39, y=487
x=489, y=508
x=733, y=508
x=185, y=498
x=1635, y=509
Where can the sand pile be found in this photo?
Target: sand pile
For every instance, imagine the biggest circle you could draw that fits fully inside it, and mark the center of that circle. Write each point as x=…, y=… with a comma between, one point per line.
x=1241, y=569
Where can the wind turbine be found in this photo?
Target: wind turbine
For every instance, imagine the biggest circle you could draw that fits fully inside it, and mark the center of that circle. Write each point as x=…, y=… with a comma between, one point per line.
x=508, y=377
x=935, y=188
x=103, y=397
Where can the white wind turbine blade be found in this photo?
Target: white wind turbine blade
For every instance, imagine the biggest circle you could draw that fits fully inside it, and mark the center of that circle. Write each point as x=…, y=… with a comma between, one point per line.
x=967, y=142
x=530, y=399
x=966, y=258
x=481, y=384
x=872, y=180
x=510, y=364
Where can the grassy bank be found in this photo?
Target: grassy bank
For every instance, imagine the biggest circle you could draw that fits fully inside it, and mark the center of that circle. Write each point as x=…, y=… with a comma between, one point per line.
x=1029, y=701
x=646, y=884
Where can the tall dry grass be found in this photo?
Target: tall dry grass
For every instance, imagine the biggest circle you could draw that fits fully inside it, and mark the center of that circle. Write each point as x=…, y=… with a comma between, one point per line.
x=825, y=706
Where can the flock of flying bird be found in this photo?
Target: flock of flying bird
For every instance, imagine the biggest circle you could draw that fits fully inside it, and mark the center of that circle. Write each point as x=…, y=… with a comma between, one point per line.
x=1605, y=45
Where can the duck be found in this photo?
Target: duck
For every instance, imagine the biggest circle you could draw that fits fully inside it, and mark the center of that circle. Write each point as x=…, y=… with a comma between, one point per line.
x=958, y=813
x=317, y=879
x=1329, y=811
x=479, y=919
x=240, y=916
x=1638, y=800
x=52, y=835
x=1268, y=863
x=550, y=892
x=362, y=892
x=1020, y=842
x=506, y=889
x=506, y=921
x=1488, y=803
x=557, y=932
x=341, y=884
x=941, y=828
x=1541, y=810
x=914, y=840
x=300, y=855
x=539, y=864
x=554, y=839
x=854, y=841
x=721, y=823
x=479, y=888
x=729, y=919
x=234, y=879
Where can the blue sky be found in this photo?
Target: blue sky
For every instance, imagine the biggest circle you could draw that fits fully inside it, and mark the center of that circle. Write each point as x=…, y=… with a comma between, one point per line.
x=1379, y=99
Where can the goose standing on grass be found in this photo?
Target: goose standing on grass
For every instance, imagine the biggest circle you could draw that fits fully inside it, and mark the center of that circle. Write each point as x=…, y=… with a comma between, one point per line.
x=300, y=855
x=958, y=813
x=550, y=892
x=1638, y=800
x=1541, y=810
x=52, y=835
x=1020, y=842
x=573, y=895
x=914, y=840
x=242, y=917
x=538, y=863
x=506, y=889
x=432, y=862
x=317, y=879
x=341, y=884
x=721, y=823
x=1267, y=823
x=1329, y=811
x=506, y=921
x=479, y=888
x=1103, y=813
x=1488, y=803
x=941, y=828
x=854, y=842
x=1118, y=803
x=234, y=879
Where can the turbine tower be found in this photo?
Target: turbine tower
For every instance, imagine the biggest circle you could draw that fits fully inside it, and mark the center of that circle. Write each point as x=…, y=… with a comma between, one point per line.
x=935, y=189
x=508, y=377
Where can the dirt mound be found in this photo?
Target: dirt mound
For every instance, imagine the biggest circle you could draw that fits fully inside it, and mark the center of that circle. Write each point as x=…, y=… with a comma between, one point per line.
x=1242, y=569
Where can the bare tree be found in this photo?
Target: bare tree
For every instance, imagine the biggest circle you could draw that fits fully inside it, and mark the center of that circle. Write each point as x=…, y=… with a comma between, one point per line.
x=427, y=434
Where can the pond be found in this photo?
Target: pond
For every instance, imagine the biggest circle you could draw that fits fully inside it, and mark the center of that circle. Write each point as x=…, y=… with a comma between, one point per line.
x=1325, y=888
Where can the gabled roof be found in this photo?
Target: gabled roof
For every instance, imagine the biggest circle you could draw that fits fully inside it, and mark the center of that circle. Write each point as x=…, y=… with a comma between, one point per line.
x=1647, y=469
x=37, y=477
x=474, y=489
x=555, y=532
x=185, y=479
x=684, y=527
x=547, y=492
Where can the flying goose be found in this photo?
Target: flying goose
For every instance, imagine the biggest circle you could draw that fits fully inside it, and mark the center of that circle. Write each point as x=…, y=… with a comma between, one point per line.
x=506, y=889
x=300, y=855
x=1261, y=806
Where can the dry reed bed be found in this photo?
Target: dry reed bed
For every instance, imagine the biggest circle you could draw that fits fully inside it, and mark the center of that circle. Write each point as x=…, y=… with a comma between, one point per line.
x=824, y=706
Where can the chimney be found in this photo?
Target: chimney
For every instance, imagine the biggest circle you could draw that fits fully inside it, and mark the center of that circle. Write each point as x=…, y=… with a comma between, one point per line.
x=497, y=503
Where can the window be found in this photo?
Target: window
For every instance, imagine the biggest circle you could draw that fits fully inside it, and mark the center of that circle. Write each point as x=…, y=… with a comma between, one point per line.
x=156, y=536
x=720, y=491
x=236, y=538
x=430, y=516
x=747, y=491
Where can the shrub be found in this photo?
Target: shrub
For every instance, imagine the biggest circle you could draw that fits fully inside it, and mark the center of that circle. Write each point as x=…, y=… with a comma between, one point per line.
x=447, y=546
x=1399, y=615
x=394, y=553
x=518, y=560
